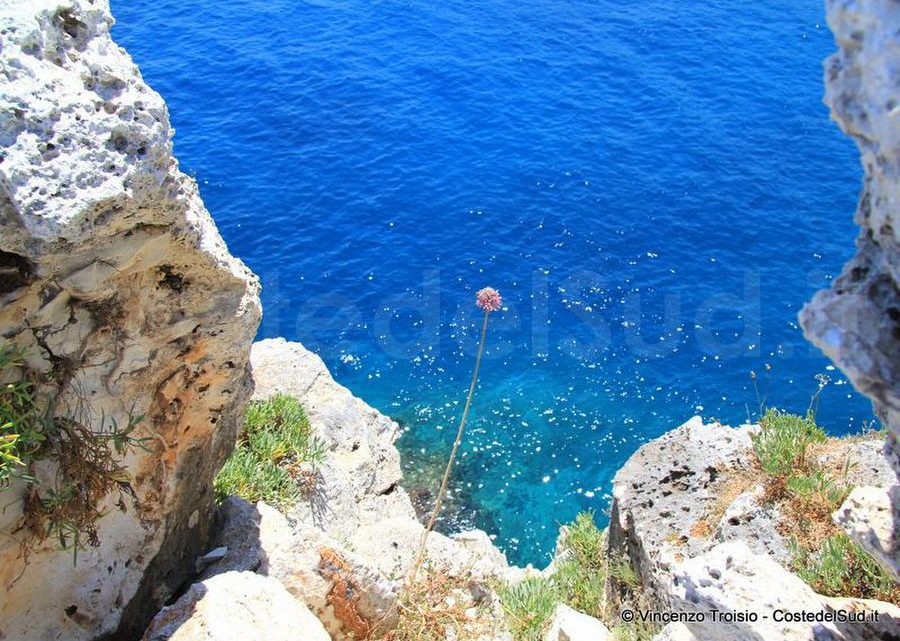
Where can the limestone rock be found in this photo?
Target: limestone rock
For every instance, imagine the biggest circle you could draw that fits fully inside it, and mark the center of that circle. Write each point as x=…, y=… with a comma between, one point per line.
x=675, y=632
x=236, y=606
x=479, y=544
x=857, y=322
x=866, y=515
x=116, y=283
x=862, y=456
x=347, y=548
x=731, y=580
x=747, y=520
x=572, y=625
x=697, y=491
x=664, y=493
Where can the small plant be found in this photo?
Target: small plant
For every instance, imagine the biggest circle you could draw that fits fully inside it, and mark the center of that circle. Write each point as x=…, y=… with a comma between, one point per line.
x=622, y=571
x=633, y=632
x=817, y=484
x=67, y=507
x=276, y=454
x=87, y=470
x=581, y=578
x=529, y=607
x=842, y=568
x=487, y=299
x=783, y=439
x=21, y=422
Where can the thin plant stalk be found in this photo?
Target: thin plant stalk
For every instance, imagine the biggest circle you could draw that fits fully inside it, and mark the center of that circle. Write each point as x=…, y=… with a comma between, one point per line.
x=459, y=434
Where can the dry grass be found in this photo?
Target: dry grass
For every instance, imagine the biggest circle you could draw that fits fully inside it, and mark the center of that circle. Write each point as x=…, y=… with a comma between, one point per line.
x=807, y=519
x=88, y=468
x=439, y=602
x=730, y=485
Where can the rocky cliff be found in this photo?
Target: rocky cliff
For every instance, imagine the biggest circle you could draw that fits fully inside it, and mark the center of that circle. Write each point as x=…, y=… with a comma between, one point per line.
x=857, y=322
x=130, y=314
x=129, y=310
x=345, y=550
x=693, y=515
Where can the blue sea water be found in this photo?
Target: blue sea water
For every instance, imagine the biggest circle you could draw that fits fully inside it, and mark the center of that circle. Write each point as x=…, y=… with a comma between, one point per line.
x=654, y=186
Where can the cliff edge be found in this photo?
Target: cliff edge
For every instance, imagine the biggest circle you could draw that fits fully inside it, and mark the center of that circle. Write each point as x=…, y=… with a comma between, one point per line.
x=129, y=313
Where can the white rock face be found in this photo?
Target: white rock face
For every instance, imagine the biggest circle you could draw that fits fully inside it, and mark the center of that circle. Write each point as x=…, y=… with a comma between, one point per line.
x=236, y=606
x=688, y=517
x=349, y=546
x=116, y=283
x=730, y=579
x=857, y=322
x=572, y=625
x=867, y=516
x=663, y=490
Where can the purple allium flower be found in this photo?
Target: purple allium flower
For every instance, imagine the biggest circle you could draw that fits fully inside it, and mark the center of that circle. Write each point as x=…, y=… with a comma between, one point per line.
x=488, y=299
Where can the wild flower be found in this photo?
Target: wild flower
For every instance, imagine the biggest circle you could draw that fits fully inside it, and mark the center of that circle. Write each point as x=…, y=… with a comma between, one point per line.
x=489, y=300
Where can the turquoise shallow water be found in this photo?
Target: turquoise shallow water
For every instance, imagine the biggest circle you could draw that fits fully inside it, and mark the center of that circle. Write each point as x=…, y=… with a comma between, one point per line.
x=654, y=186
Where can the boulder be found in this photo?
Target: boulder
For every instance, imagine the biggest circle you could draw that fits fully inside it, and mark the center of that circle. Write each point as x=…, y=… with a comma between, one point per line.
x=120, y=291
x=572, y=625
x=236, y=606
x=742, y=596
x=867, y=516
x=663, y=496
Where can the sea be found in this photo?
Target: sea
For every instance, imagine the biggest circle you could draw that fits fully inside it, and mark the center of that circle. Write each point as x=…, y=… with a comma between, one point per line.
x=655, y=188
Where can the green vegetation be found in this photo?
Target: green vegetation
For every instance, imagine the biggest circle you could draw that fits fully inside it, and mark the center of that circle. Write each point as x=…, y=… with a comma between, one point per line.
x=581, y=577
x=783, y=439
x=825, y=558
x=67, y=506
x=529, y=606
x=633, y=632
x=843, y=568
x=816, y=483
x=268, y=462
x=782, y=448
x=579, y=581
x=21, y=423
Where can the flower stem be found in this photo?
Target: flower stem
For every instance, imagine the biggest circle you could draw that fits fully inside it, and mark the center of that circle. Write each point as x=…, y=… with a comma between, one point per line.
x=459, y=434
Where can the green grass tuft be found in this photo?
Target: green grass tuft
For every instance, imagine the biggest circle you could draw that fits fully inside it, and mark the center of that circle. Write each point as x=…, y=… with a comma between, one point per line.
x=267, y=464
x=581, y=577
x=815, y=483
x=842, y=568
x=633, y=632
x=21, y=423
x=529, y=606
x=782, y=440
